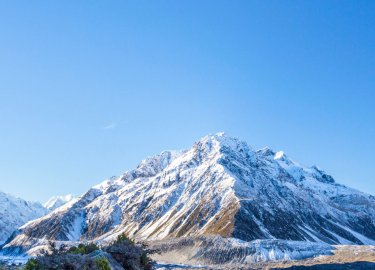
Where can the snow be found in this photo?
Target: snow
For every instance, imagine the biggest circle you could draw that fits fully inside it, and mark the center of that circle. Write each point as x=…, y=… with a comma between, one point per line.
x=309, y=232
x=57, y=201
x=75, y=231
x=190, y=192
x=104, y=185
x=361, y=237
x=14, y=260
x=174, y=266
x=206, y=250
x=15, y=212
x=279, y=155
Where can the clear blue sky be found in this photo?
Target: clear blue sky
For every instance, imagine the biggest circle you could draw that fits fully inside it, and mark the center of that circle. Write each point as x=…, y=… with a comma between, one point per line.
x=89, y=88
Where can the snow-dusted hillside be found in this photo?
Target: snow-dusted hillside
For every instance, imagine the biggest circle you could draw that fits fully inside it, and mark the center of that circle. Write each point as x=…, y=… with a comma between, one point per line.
x=57, y=201
x=203, y=250
x=15, y=212
x=221, y=186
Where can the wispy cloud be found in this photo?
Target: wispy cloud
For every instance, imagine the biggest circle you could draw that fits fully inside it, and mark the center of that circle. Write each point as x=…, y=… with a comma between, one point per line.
x=111, y=125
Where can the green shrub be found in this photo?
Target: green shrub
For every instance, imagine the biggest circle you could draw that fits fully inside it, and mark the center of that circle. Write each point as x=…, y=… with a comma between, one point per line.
x=102, y=264
x=123, y=238
x=145, y=260
x=83, y=257
x=83, y=249
x=32, y=264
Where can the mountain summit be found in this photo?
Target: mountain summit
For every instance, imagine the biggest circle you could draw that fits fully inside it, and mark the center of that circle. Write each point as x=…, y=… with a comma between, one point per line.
x=221, y=186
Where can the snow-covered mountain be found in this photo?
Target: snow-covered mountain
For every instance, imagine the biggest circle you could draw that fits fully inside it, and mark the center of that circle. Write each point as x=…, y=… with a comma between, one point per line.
x=221, y=186
x=57, y=201
x=15, y=212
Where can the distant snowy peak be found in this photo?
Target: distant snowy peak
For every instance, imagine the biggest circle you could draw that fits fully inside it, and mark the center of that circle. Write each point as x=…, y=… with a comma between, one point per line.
x=15, y=212
x=57, y=201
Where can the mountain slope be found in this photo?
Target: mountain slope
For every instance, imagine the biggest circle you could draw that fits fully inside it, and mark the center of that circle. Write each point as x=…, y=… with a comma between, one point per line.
x=220, y=186
x=15, y=212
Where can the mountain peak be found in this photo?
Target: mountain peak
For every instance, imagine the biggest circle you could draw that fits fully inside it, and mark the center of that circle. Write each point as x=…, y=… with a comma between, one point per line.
x=220, y=142
x=220, y=186
x=219, y=137
x=279, y=155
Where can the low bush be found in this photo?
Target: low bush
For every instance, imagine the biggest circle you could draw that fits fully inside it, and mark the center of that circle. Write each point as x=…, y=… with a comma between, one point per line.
x=83, y=249
x=32, y=264
x=129, y=255
x=123, y=238
x=102, y=264
x=91, y=257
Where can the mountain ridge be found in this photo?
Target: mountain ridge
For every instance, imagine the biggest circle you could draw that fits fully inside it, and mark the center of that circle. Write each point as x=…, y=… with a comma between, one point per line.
x=221, y=186
x=15, y=212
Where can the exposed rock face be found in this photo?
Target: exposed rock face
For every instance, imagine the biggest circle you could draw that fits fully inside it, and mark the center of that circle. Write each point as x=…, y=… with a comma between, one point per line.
x=220, y=186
